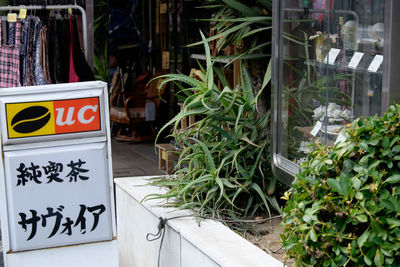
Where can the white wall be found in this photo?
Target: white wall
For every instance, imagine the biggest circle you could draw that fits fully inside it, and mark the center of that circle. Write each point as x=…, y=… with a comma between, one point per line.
x=186, y=244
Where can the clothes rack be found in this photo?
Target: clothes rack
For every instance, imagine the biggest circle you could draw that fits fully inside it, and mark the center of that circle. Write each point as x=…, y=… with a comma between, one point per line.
x=56, y=7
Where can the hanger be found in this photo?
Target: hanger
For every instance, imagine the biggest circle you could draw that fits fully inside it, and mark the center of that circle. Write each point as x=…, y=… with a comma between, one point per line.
x=34, y=10
x=44, y=5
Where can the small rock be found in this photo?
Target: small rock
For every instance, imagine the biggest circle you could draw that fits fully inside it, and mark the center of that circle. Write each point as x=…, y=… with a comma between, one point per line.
x=259, y=219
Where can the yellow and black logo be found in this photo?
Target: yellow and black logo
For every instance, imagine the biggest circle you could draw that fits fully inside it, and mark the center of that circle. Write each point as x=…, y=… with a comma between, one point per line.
x=30, y=119
x=53, y=117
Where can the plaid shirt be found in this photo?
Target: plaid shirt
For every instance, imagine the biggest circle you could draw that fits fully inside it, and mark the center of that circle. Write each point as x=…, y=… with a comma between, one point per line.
x=9, y=60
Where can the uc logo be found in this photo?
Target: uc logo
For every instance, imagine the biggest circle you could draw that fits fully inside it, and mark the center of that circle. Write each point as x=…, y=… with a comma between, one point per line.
x=53, y=117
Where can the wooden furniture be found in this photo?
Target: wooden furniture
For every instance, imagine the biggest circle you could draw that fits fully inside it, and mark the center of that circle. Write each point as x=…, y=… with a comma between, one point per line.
x=185, y=123
x=138, y=112
x=166, y=157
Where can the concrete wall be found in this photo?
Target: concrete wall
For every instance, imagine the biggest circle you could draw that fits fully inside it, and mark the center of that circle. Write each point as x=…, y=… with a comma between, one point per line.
x=186, y=244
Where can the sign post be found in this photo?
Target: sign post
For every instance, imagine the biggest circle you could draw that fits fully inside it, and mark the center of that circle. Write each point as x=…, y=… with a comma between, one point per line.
x=57, y=202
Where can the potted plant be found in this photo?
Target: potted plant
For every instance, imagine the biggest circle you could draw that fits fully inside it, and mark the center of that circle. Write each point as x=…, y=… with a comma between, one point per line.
x=224, y=165
x=321, y=44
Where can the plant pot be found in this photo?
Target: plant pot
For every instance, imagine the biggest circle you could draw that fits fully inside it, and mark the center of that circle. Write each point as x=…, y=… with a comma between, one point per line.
x=186, y=241
x=321, y=49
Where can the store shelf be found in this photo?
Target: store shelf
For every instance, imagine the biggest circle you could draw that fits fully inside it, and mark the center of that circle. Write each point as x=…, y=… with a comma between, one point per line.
x=203, y=57
x=343, y=66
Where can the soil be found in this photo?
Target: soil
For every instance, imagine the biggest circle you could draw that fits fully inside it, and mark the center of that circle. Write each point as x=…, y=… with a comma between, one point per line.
x=267, y=237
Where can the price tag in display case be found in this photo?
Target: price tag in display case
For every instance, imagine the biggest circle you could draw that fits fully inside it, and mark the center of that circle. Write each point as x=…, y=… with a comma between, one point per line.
x=331, y=56
x=376, y=63
x=316, y=128
x=355, y=60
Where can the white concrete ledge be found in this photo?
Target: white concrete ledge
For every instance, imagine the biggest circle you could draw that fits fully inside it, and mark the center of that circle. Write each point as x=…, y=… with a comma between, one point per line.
x=186, y=244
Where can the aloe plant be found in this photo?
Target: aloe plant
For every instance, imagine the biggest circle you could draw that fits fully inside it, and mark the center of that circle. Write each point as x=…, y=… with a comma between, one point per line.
x=247, y=26
x=224, y=157
x=236, y=21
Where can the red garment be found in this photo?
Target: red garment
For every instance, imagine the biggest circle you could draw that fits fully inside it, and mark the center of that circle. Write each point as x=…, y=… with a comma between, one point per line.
x=321, y=5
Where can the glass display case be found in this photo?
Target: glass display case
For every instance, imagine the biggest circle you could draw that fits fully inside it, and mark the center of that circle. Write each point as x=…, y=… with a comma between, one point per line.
x=333, y=61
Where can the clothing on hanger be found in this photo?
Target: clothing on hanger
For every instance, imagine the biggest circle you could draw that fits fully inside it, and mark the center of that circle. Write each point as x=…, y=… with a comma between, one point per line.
x=82, y=68
x=4, y=30
x=41, y=50
x=29, y=71
x=58, y=63
x=73, y=77
x=44, y=59
x=9, y=58
x=23, y=52
x=64, y=36
x=38, y=71
x=50, y=50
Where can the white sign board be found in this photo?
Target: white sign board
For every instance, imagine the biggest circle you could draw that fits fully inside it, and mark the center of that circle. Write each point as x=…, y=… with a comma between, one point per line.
x=56, y=176
x=57, y=116
x=57, y=196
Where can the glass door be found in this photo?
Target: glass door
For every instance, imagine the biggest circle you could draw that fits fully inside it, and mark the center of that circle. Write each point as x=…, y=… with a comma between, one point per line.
x=329, y=59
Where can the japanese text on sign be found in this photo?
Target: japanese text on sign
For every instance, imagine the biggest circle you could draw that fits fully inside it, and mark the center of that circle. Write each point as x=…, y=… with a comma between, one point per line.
x=52, y=172
x=56, y=216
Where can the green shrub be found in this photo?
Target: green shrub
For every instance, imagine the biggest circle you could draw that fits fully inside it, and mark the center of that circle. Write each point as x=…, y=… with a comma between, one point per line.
x=344, y=206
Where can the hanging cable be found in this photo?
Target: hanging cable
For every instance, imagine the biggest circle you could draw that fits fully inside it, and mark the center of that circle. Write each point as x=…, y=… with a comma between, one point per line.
x=160, y=233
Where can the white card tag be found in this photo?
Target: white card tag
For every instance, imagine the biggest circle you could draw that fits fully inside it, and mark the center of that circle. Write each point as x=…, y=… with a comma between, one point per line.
x=316, y=128
x=376, y=63
x=340, y=138
x=331, y=56
x=355, y=60
x=22, y=13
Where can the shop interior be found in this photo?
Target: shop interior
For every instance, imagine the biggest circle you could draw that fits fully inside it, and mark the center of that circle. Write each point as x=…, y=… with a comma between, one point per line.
x=146, y=39
x=126, y=43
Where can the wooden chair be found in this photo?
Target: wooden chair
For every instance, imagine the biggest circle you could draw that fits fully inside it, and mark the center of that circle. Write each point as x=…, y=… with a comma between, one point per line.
x=138, y=112
x=166, y=157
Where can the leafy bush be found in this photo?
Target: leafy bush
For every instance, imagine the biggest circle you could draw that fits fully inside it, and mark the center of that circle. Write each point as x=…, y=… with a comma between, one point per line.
x=224, y=164
x=344, y=207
